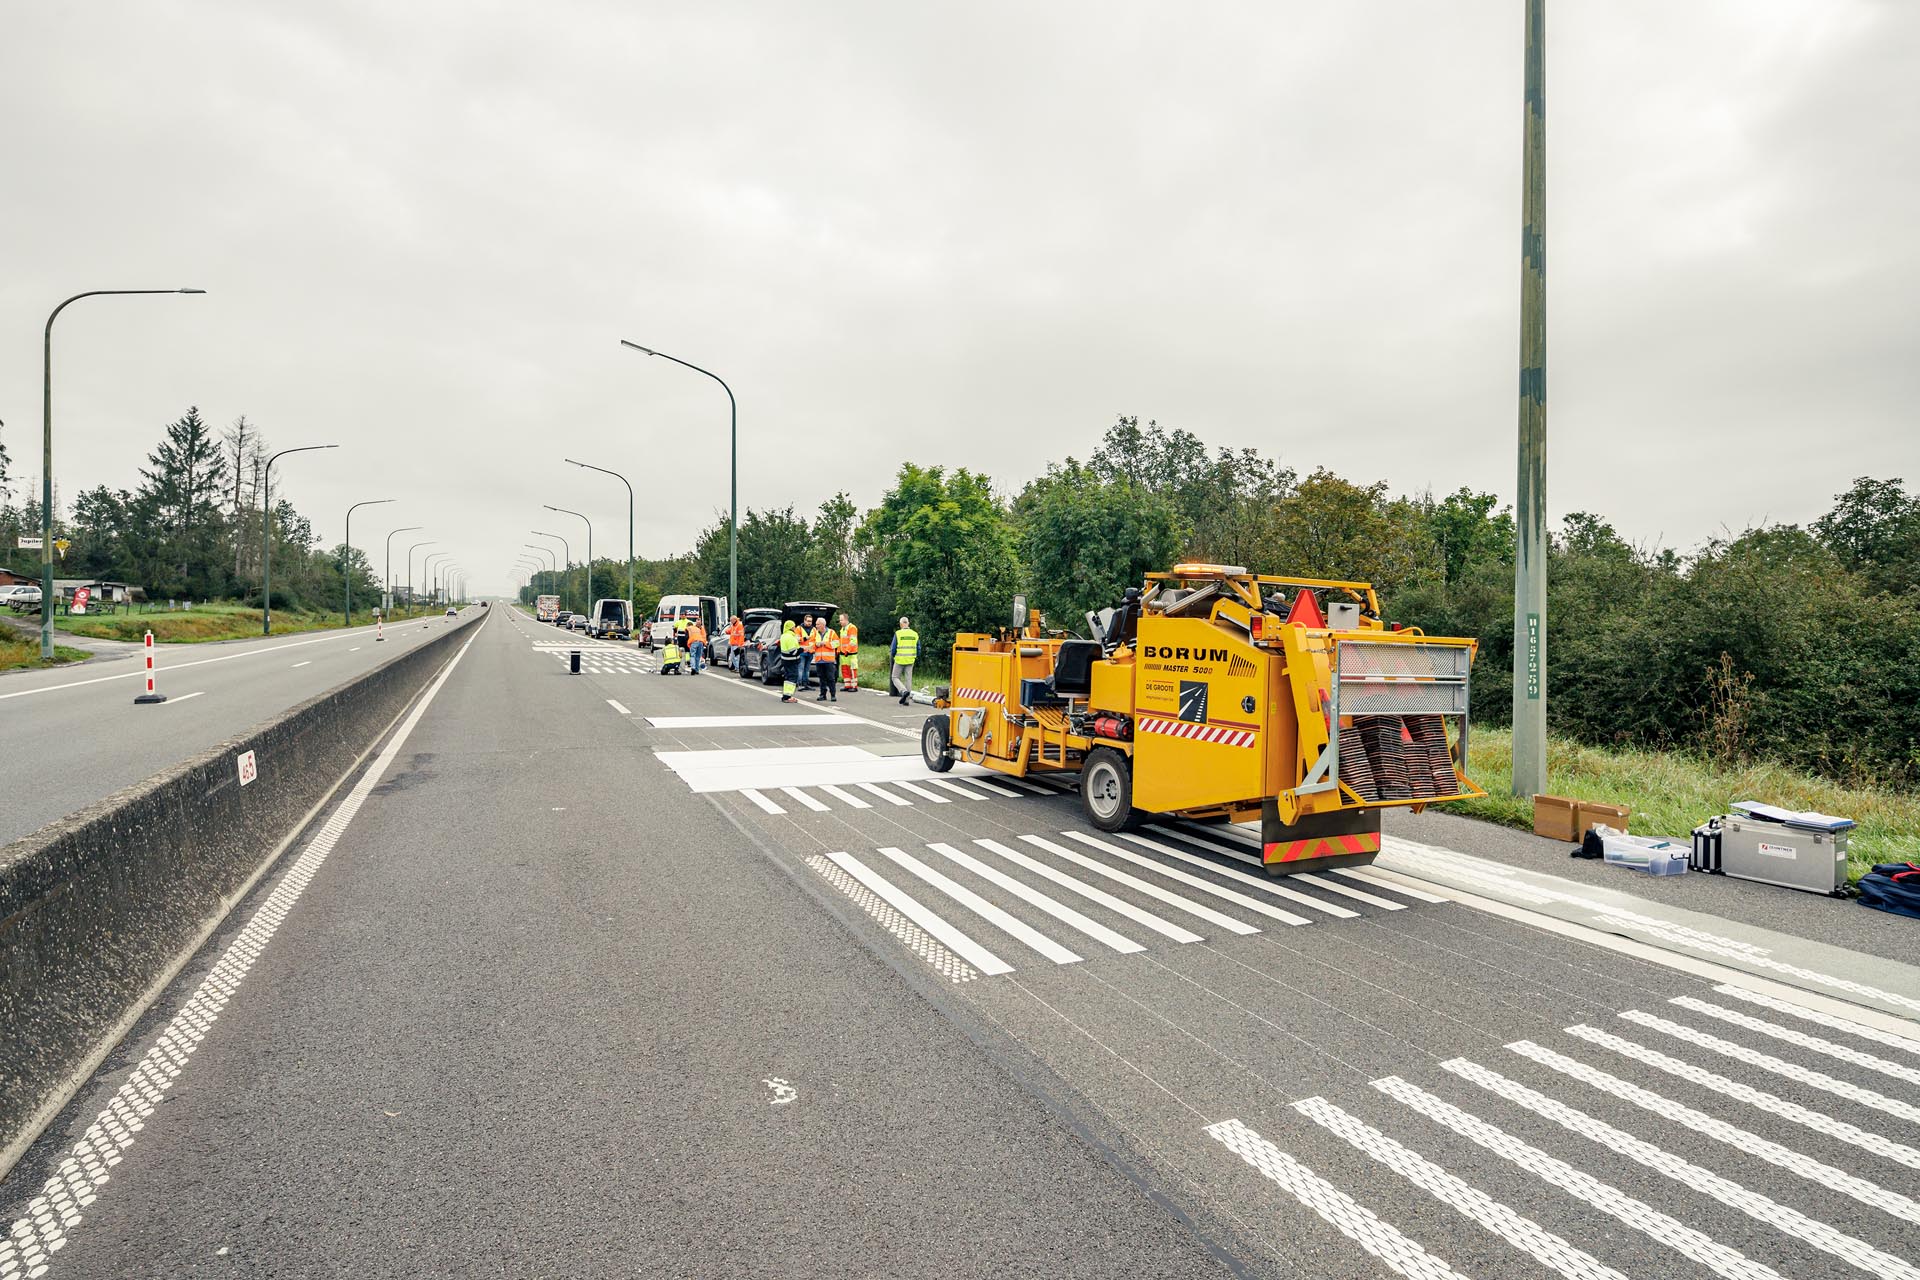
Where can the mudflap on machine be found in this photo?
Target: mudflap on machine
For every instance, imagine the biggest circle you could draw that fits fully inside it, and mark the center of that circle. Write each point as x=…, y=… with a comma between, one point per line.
x=1318, y=841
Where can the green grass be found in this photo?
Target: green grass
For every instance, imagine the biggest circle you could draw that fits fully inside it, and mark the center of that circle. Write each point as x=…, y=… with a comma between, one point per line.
x=1671, y=793
x=21, y=651
x=204, y=622
x=876, y=671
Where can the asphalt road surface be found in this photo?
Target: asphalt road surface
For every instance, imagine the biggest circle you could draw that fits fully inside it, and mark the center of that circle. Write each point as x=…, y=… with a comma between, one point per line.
x=621, y=974
x=72, y=735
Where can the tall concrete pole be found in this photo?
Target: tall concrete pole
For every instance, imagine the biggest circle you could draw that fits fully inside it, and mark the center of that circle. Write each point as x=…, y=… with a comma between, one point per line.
x=1530, y=495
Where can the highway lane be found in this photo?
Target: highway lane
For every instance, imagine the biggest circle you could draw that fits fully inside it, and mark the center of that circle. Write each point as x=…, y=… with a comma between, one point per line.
x=603, y=951
x=72, y=735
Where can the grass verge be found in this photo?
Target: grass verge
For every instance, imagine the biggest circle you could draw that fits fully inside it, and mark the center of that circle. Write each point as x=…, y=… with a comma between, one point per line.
x=208, y=622
x=19, y=652
x=1671, y=793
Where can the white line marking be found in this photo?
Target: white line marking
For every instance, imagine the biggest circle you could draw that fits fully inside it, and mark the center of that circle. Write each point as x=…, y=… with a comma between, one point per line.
x=764, y=803
x=182, y=697
x=922, y=792
x=1418, y=895
x=1761, y=1208
x=1338, y=1209
x=1728, y=1263
x=1779, y=1067
x=175, y=666
x=1516, y=1229
x=955, y=788
x=1898, y=1070
x=797, y=720
x=973, y=902
x=805, y=799
x=1229, y=849
x=1278, y=891
x=954, y=940
x=1165, y=928
x=993, y=787
x=1772, y=1104
x=1151, y=890
x=1773, y=1153
x=76, y=1181
x=1191, y=881
x=845, y=797
x=1052, y=906
x=888, y=796
x=355, y=649
x=1345, y=891
x=617, y=707
x=298, y=665
x=1828, y=1020
x=918, y=939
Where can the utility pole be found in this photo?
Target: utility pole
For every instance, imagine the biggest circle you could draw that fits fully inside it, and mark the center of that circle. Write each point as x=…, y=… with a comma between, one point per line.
x=1530, y=494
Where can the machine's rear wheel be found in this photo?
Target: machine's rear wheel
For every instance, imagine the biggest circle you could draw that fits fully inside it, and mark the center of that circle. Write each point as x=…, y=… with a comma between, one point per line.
x=935, y=746
x=1106, y=790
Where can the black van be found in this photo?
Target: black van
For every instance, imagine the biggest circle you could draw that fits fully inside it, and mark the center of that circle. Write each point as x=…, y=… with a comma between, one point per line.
x=762, y=655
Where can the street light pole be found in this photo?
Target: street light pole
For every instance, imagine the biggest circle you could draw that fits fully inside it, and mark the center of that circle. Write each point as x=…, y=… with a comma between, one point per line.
x=266, y=532
x=1530, y=492
x=733, y=498
x=431, y=579
x=346, y=561
x=623, y=480
x=46, y=459
x=410, y=550
x=548, y=553
x=583, y=520
x=564, y=546
x=386, y=582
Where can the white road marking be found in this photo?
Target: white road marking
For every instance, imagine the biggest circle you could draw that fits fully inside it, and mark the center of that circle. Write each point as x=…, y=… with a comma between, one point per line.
x=355, y=649
x=764, y=803
x=954, y=940
x=1772, y=1104
x=175, y=666
x=298, y=665
x=888, y=796
x=617, y=707
x=1761, y=1208
x=1191, y=881
x=922, y=792
x=847, y=798
x=1379, y=882
x=805, y=799
x=783, y=1092
x=992, y=787
x=1828, y=1020
x=1753, y=1144
x=76, y=1181
x=1338, y=1209
x=798, y=719
x=973, y=902
x=1516, y=1229
x=182, y=697
x=1165, y=928
x=1151, y=890
x=955, y=788
x=1052, y=906
x=1278, y=891
x=1780, y=1067
x=1357, y=895
x=919, y=940
x=1226, y=848
x=1841, y=1052
x=1728, y=1263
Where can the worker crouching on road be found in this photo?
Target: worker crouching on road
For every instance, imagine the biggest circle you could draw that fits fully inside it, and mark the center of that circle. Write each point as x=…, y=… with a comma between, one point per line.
x=826, y=661
x=671, y=657
x=849, y=655
x=905, y=648
x=790, y=654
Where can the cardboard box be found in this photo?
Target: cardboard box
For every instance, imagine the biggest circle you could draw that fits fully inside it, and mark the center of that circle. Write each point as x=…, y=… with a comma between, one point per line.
x=1587, y=814
x=1553, y=817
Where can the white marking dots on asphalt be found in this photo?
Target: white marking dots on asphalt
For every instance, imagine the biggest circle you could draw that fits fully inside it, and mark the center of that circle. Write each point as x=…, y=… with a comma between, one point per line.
x=1828, y=1020
x=1165, y=928
x=948, y=936
x=1052, y=906
x=1151, y=890
x=1789, y=1035
x=1004, y=921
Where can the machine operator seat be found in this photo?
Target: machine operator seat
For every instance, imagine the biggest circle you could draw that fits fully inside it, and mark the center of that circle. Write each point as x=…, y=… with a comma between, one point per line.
x=1073, y=668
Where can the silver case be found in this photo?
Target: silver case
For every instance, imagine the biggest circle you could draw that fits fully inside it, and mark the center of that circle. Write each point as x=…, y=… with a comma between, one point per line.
x=1815, y=861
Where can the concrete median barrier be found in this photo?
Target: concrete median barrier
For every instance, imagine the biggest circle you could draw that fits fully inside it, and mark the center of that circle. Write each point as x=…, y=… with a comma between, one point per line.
x=100, y=908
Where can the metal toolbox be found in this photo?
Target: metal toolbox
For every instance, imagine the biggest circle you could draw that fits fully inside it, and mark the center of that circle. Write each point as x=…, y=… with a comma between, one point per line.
x=1770, y=853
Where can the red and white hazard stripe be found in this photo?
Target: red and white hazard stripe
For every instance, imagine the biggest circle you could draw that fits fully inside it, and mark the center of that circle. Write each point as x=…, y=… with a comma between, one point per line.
x=1197, y=732
x=981, y=695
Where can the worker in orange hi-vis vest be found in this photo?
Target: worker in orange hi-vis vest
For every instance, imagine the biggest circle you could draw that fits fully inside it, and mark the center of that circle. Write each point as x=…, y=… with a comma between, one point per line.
x=825, y=643
x=736, y=641
x=849, y=655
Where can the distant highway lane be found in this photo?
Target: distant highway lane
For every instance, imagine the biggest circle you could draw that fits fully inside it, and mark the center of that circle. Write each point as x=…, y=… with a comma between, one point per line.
x=72, y=735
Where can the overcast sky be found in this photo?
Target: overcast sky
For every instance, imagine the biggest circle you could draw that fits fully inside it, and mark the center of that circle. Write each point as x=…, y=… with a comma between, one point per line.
x=968, y=235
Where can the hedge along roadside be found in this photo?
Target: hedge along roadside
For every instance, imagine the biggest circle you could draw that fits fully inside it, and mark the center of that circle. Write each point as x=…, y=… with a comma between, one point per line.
x=99, y=909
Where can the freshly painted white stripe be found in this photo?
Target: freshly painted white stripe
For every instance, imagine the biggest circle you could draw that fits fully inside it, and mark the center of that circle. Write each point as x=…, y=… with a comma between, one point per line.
x=1773, y=1153
x=1052, y=906
x=1338, y=1209
x=955, y=788
x=1759, y=1207
x=992, y=787
x=1380, y=882
x=973, y=902
x=847, y=798
x=805, y=799
x=298, y=665
x=355, y=649
x=42, y=1230
x=1831, y=1021
x=1779, y=1066
x=1187, y=905
x=765, y=804
x=1165, y=928
x=922, y=792
x=1278, y=891
x=799, y=719
x=1347, y=891
x=182, y=697
x=948, y=936
x=1191, y=881
x=1789, y=1035
x=888, y=796
x=1226, y=848
x=1514, y=1228
x=617, y=707
x=1021, y=784
x=1728, y=1263
x=922, y=942
x=1772, y=1104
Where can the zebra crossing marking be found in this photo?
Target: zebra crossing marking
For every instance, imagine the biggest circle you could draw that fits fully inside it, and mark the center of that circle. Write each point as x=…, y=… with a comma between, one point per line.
x=1154, y=891
x=765, y=804
x=1191, y=881
x=1828, y=1020
x=955, y=788
x=1165, y=928
x=805, y=799
x=922, y=792
x=1379, y=881
x=993, y=788
x=1052, y=906
x=847, y=798
x=919, y=940
x=1788, y=1035
x=1279, y=891
x=948, y=936
x=987, y=911
x=1358, y=895
x=888, y=796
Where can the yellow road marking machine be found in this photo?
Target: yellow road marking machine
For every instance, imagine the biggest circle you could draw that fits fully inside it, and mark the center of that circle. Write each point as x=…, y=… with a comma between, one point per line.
x=1208, y=694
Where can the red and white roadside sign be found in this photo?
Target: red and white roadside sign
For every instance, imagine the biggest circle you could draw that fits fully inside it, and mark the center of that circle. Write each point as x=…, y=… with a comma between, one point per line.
x=80, y=597
x=248, y=769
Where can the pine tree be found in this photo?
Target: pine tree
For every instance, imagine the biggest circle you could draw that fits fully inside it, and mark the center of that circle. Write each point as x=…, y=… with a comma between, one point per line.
x=181, y=493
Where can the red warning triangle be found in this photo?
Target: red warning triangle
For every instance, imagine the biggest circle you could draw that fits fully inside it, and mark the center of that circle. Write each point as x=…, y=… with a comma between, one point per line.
x=1305, y=611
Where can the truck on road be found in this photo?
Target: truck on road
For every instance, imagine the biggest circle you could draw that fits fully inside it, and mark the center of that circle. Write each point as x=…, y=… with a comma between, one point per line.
x=709, y=611
x=546, y=608
x=611, y=619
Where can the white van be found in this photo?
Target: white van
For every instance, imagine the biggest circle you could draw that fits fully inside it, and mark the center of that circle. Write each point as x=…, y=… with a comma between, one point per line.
x=710, y=610
x=611, y=619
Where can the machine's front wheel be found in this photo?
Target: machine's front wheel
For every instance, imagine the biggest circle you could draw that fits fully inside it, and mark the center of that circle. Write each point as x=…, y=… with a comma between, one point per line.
x=1106, y=790
x=935, y=746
